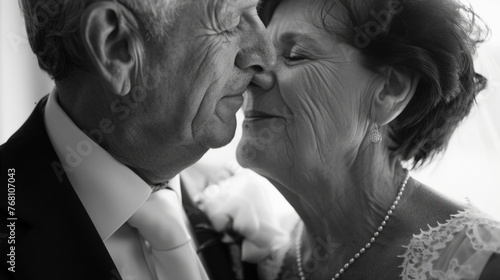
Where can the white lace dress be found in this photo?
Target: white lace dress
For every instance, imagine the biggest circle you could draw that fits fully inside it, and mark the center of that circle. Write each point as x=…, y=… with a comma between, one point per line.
x=456, y=250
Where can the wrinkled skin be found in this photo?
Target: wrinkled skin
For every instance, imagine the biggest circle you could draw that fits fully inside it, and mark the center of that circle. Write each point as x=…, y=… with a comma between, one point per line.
x=224, y=44
x=306, y=130
x=201, y=69
x=316, y=103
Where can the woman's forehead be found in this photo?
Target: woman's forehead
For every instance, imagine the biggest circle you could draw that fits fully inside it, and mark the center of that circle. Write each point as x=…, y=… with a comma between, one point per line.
x=318, y=13
x=298, y=19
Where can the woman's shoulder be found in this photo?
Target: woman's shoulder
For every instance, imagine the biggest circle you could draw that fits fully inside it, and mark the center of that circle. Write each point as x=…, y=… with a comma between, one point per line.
x=461, y=248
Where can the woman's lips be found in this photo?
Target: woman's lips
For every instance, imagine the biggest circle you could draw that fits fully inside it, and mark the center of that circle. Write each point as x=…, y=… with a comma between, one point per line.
x=258, y=115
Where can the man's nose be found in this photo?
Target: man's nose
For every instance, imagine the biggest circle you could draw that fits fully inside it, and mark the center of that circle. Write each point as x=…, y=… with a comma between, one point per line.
x=257, y=52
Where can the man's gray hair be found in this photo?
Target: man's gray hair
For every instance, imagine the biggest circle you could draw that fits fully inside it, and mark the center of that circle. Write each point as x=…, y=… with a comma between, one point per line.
x=53, y=29
x=155, y=14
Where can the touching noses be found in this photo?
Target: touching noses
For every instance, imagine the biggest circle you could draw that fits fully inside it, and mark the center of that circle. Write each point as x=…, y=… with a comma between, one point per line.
x=257, y=52
x=265, y=81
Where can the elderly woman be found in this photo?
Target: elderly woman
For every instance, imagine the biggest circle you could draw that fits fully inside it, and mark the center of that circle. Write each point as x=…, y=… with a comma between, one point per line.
x=359, y=88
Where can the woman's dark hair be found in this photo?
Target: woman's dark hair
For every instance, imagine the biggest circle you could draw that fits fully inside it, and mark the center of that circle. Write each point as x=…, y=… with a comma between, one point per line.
x=434, y=39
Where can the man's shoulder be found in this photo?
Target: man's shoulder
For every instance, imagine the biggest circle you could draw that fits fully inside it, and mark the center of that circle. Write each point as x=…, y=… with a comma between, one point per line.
x=30, y=156
x=31, y=135
x=32, y=126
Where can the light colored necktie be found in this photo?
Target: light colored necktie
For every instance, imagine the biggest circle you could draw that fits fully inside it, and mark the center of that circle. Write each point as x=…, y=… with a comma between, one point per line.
x=159, y=221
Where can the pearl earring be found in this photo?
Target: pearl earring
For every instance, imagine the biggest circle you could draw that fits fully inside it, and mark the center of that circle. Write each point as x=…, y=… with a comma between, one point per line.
x=375, y=135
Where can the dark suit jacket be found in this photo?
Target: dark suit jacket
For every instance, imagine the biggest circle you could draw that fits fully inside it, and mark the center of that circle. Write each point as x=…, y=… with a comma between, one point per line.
x=54, y=236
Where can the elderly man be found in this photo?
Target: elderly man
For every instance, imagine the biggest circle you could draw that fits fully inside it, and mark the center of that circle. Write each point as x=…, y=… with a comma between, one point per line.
x=143, y=90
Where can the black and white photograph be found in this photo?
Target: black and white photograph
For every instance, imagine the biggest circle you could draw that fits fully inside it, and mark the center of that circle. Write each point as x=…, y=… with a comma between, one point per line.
x=250, y=139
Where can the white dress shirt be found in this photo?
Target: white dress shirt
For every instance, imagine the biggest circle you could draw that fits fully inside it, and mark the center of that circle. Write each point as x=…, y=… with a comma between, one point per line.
x=110, y=191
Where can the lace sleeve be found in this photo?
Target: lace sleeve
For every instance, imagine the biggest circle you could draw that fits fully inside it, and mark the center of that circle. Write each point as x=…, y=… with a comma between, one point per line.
x=458, y=249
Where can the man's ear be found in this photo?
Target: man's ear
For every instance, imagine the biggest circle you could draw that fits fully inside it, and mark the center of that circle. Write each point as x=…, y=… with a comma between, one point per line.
x=396, y=93
x=112, y=40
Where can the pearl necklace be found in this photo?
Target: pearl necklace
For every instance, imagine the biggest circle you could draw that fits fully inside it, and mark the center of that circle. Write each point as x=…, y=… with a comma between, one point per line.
x=368, y=245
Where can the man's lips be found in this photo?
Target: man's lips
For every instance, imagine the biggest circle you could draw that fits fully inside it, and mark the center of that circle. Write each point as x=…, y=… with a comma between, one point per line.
x=237, y=93
x=240, y=94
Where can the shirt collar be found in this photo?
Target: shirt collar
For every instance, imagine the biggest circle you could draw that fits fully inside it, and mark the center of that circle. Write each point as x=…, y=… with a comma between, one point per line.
x=110, y=191
x=175, y=185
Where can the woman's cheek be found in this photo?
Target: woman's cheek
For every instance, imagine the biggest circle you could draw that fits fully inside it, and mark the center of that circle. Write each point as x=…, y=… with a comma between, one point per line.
x=313, y=97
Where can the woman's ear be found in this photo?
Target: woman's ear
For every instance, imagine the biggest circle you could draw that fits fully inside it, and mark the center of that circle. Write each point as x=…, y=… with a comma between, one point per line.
x=112, y=40
x=395, y=94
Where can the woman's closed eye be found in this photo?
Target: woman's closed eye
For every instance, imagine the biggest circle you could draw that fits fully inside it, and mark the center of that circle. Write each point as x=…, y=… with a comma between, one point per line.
x=295, y=55
x=294, y=58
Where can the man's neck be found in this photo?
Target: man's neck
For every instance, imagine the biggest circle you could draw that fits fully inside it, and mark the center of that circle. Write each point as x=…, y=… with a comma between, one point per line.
x=91, y=110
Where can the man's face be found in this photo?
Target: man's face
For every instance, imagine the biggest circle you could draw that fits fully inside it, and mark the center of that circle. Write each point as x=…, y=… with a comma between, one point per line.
x=206, y=61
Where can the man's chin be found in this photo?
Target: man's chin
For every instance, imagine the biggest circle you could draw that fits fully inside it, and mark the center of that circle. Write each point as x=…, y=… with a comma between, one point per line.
x=218, y=136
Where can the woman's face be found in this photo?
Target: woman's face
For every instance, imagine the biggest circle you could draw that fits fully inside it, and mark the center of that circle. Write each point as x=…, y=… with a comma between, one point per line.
x=311, y=112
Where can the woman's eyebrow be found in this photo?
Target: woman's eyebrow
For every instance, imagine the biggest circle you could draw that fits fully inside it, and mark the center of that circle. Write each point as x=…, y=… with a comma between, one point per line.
x=302, y=38
x=296, y=37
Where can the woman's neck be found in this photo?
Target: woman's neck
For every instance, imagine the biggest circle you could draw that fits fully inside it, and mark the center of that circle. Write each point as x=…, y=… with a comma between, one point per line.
x=342, y=218
x=356, y=205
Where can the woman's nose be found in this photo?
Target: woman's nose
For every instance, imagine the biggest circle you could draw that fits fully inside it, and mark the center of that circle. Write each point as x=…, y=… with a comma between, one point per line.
x=265, y=80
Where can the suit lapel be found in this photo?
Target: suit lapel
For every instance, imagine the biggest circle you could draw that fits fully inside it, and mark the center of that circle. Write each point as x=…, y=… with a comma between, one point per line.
x=55, y=236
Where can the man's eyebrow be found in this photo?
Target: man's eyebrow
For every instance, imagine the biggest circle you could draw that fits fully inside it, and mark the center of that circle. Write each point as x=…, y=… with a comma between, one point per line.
x=251, y=3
